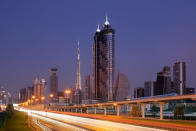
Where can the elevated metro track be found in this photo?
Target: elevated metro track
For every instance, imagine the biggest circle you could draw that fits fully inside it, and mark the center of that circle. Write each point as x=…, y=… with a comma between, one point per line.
x=143, y=102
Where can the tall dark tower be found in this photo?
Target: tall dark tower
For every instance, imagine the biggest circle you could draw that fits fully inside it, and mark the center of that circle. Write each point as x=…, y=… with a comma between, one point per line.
x=163, y=83
x=179, y=74
x=54, y=82
x=103, y=63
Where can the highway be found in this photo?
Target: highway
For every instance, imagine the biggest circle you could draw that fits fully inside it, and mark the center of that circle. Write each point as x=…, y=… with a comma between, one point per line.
x=57, y=121
x=48, y=124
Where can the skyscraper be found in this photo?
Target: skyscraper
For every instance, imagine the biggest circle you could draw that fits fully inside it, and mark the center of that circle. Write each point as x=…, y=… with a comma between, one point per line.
x=36, y=87
x=138, y=92
x=88, y=90
x=78, y=93
x=103, y=62
x=163, y=83
x=30, y=91
x=122, y=88
x=54, y=82
x=148, y=88
x=43, y=89
x=179, y=74
x=78, y=80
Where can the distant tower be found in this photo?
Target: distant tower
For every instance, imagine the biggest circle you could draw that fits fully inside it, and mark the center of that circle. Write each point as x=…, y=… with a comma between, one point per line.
x=122, y=88
x=163, y=83
x=78, y=80
x=88, y=90
x=179, y=74
x=54, y=82
x=36, y=87
x=43, y=88
x=78, y=93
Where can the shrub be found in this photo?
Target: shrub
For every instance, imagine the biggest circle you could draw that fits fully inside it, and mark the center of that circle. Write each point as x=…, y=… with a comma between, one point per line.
x=179, y=110
x=10, y=110
x=135, y=111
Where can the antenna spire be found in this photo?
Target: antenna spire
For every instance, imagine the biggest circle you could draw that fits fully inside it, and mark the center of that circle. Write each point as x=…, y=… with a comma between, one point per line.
x=98, y=29
x=106, y=20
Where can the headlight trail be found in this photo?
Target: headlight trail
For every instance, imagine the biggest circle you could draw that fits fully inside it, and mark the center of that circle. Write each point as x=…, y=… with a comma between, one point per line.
x=89, y=123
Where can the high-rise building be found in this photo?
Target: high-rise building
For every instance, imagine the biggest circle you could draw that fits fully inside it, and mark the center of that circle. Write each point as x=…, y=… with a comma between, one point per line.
x=35, y=86
x=122, y=88
x=43, y=89
x=54, y=82
x=78, y=92
x=179, y=74
x=163, y=83
x=23, y=95
x=88, y=89
x=30, y=91
x=148, y=88
x=138, y=92
x=103, y=63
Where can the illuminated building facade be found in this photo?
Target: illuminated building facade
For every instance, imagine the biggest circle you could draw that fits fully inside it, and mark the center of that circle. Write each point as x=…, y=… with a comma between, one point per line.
x=103, y=63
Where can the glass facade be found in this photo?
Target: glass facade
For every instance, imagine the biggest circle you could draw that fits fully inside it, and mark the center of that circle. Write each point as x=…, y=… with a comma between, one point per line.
x=103, y=63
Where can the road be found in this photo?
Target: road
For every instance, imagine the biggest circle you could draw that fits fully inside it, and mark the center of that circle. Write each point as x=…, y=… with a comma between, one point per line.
x=57, y=121
x=48, y=124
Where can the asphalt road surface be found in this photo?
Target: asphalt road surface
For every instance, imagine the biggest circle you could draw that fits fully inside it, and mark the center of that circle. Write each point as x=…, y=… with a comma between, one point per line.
x=63, y=122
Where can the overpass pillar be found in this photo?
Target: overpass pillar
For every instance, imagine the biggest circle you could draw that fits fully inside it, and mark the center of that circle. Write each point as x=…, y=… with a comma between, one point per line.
x=105, y=110
x=118, y=110
x=81, y=110
x=95, y=112
x=130, y=106
x=161, y=110
x=143, y=109
x=87, y=110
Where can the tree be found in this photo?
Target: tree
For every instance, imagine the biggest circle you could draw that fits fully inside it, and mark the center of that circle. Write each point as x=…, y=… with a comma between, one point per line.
x=154, y=110
x=135, y=111
x=179, y=110
x=10, y=110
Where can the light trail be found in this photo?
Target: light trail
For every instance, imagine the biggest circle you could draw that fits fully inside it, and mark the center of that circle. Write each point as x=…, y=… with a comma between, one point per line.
x=58, y=123
x=92, y=124
x=45, y=128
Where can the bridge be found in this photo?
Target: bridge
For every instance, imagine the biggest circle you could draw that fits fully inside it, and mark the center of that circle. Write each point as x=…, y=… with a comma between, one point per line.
x=117, y=104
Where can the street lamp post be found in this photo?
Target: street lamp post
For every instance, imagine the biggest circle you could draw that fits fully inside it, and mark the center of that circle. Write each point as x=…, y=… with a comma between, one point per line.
x=67, y=92
x=42, y=100
x=51, y=97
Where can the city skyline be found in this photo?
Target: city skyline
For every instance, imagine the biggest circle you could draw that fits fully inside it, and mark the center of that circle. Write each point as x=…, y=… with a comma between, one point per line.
x=130, y=57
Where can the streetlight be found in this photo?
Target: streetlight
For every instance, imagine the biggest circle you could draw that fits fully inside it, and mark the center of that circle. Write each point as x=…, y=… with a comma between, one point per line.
x=51, y=97
x=33, y=97
x=42, y=98
x=67, y=92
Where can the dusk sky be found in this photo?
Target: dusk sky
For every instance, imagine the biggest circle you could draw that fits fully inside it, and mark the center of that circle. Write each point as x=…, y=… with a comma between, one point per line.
x=36, y=35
